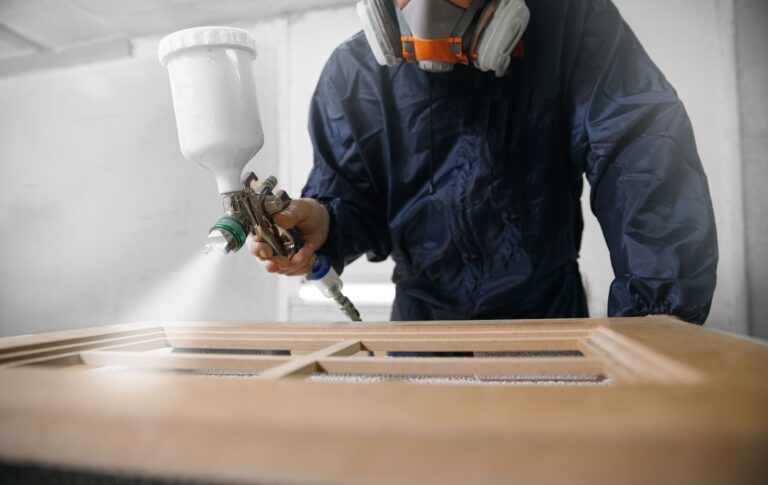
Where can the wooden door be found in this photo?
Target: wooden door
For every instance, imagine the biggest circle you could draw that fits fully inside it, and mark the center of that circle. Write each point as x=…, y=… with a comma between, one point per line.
x=629, y=400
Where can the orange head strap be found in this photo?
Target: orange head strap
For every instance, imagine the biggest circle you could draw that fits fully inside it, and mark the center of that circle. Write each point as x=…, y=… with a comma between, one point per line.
x=445, y=50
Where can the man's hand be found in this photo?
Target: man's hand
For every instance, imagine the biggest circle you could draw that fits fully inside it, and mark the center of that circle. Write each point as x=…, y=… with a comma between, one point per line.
x=311, y=218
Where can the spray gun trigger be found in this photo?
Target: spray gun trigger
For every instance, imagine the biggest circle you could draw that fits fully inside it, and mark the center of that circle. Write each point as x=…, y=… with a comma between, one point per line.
x=250, y=179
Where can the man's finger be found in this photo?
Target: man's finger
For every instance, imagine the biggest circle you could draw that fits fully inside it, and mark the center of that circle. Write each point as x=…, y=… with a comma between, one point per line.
x=258, y=247
x=272, y=267
x=297, y=272
x=282, y=262
x=303, y=257
x=299, y=269
x=260, y=250
x=291, y=215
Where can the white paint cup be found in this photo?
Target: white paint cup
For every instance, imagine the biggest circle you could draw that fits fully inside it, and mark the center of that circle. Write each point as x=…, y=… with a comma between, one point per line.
x=214, y=98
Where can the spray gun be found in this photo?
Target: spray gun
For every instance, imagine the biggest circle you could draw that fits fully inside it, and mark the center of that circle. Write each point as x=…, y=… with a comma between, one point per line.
x=250, y=211
x=217, y=116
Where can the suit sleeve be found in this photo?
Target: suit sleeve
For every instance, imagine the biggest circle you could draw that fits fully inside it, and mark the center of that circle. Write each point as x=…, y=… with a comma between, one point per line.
x=339, y=178
x=649, y=191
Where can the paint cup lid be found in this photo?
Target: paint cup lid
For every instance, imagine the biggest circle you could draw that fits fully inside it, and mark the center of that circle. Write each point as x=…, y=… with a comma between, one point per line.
x=212, y=36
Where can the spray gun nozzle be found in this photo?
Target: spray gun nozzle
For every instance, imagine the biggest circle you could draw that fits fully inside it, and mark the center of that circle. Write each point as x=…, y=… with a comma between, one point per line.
x=226, y=236
x=218, y=242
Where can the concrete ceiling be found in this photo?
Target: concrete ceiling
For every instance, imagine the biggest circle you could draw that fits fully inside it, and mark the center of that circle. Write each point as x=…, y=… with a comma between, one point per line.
x=36, y=34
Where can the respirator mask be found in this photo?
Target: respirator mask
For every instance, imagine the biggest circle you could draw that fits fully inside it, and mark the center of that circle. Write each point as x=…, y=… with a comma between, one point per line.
x=437, y=34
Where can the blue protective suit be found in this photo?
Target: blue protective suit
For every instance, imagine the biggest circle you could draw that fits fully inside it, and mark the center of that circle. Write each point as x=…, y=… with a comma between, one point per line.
x=472, y=183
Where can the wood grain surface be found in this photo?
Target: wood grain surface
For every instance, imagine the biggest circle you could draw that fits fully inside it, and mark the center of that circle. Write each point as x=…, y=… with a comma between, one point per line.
x=685, y=404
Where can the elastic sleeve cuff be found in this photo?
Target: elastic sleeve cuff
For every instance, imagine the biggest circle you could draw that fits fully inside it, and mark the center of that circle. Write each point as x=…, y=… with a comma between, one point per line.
x=689, y=300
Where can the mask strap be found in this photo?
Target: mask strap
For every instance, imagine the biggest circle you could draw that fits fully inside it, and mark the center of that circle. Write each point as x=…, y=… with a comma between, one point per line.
x=409, y=49
x=389, y=14
x=481, y=25
x=464, y=21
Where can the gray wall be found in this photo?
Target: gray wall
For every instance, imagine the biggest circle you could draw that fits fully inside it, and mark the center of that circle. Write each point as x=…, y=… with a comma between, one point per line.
x=752, y=54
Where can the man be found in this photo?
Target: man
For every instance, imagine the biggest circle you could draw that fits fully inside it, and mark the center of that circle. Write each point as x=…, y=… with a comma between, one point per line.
x=471, y=178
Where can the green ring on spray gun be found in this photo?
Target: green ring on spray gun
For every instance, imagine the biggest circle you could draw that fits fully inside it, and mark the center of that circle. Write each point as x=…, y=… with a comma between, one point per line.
x=233, y=226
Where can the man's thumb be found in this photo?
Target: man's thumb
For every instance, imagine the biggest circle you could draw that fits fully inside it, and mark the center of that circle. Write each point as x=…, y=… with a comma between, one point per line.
x=290, y=216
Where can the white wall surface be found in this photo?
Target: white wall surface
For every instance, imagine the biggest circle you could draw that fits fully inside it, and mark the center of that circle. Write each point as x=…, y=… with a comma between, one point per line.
x=99, y=211
x=752, y=51
x=101, y=216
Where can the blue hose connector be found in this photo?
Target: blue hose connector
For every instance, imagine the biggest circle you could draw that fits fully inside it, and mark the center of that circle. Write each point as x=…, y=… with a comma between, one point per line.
x=320, y=268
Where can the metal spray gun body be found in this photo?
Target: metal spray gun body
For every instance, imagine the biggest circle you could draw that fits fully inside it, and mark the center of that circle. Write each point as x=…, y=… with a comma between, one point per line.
x=251, y=211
